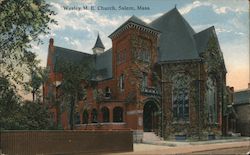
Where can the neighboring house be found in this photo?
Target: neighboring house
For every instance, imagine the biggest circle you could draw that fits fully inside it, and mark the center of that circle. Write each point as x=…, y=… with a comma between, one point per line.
x=242, y=108
x=162, y=77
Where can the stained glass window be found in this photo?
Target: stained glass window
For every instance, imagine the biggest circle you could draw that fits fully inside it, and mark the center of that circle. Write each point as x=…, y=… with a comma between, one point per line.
x=180, y=97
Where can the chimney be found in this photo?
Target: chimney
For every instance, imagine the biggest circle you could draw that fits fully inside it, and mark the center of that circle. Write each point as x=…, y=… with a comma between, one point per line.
x=51, y=48
x=232, y=89
x=51, y=42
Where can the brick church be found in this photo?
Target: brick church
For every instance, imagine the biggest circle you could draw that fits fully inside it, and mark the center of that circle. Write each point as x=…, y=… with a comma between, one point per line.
x=161, y=77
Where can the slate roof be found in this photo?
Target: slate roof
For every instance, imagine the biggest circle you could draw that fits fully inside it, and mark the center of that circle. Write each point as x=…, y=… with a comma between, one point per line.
x=176, y=39
x=202, y=39
x=178, y=42
x=99, y=43
x=104, y=65
x=242, y=97
x=64, y=54
x=102, y=62
x=137, y=20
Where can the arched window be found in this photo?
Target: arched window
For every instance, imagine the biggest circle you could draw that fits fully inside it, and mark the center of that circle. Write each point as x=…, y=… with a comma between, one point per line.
x=181, y=97
x=121, y=82
x=146, y=55
x=107, y=92
x=94, y=115
x=144, y=80
x=117, y=114
x=211, y=99
x=85, y=117
x=105, y=114
x=77, y=118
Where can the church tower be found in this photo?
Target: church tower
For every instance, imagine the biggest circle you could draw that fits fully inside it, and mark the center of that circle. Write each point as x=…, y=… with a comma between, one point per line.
x=99, y=47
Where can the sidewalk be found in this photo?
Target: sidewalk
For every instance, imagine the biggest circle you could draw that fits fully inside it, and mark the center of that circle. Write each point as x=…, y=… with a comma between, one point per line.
x=183, y=143
x=186, y=147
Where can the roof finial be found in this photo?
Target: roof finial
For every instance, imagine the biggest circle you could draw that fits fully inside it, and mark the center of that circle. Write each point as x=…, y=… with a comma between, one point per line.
x=175, y=6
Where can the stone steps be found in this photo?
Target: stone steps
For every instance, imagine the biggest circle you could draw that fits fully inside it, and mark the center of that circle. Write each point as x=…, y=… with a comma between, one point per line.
x=152, y=138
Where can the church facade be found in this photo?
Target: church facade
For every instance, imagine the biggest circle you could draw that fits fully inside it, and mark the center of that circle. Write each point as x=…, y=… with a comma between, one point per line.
x=160, y=77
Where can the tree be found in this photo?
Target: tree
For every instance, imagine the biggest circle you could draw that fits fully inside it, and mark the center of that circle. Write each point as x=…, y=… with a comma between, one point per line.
x=21, y=23
x=35, y=116
x=18, y=115
x=9, y=105
x=38, y=77
x=76, y=77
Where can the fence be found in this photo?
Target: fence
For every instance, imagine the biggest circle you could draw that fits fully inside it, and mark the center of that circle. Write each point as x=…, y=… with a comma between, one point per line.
x=65, y=142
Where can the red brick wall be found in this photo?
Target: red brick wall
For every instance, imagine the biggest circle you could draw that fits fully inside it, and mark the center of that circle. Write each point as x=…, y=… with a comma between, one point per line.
x=118, y=97
x=65, y=142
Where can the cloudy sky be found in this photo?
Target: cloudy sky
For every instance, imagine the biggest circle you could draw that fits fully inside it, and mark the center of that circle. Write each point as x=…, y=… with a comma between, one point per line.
x=78, y=29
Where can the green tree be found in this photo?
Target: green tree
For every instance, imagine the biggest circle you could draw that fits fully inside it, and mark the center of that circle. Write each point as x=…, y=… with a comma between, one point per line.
x=75, y=79
x=35, y=116
x=9, y=106
x=38, y=77
x=18, y=115
x=21, y=23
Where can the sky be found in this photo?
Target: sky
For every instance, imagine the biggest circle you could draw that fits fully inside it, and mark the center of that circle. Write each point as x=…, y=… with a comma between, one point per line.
x=78, y=29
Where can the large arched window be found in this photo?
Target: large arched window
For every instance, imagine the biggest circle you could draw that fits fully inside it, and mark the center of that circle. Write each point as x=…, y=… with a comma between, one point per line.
x=94, y=115
x=181, y=97
x=85, y=117
x=211, y=99
x=105, y=114
x=117, y=114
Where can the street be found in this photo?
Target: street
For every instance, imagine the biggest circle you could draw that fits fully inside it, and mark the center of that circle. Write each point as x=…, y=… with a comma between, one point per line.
x=239, y=150
x=216, y=148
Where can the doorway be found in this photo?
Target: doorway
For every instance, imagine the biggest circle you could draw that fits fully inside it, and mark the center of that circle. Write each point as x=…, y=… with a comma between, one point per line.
x=151, y=117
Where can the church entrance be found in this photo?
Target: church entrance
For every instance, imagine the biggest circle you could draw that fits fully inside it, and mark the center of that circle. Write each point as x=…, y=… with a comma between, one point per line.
x=151, y=117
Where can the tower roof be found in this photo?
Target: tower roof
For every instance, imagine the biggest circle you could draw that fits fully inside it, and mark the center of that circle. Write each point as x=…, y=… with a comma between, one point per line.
x=176, y=40
x=98, y=43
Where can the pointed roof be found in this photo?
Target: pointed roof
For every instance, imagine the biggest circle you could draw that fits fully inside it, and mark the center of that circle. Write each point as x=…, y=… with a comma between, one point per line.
x=176, y=39
x=98, y=43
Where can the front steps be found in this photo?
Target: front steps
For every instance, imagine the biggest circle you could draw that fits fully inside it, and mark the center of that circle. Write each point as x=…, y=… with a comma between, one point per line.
x=152, y=138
